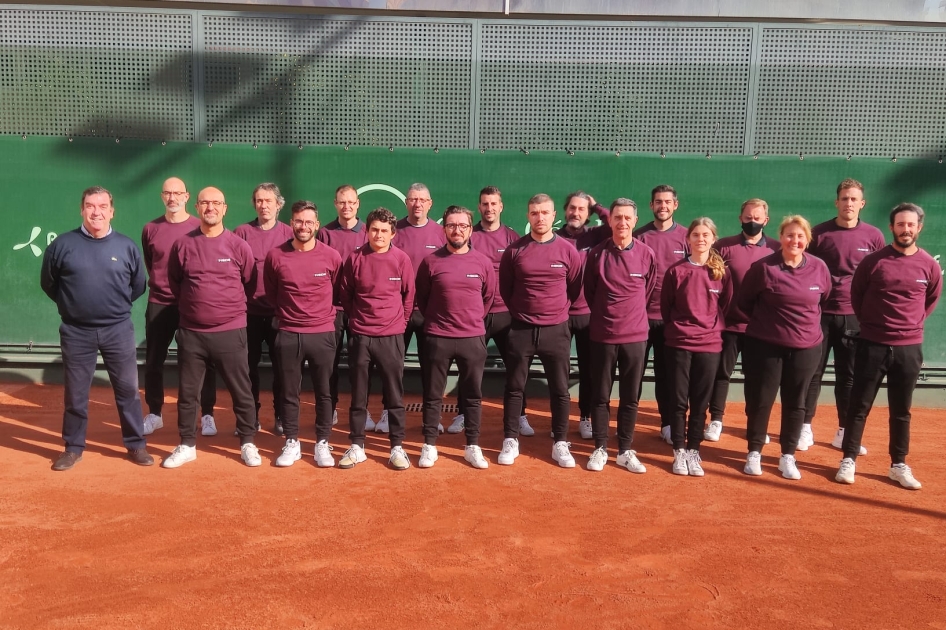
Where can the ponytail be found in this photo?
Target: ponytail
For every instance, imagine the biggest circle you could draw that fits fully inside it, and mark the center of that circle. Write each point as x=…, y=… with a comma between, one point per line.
x=716, y=265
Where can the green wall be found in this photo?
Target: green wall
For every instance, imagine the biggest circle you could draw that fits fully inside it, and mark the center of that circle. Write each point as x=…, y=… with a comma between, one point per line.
x=42, y=179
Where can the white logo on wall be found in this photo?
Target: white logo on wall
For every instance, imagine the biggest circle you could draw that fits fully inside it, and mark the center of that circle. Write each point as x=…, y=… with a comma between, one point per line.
x=50, y=237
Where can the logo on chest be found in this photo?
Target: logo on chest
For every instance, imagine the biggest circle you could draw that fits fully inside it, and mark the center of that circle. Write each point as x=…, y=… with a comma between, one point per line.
x=395, y=279
x=224, y=260
x=320, y=275
x=557, y=266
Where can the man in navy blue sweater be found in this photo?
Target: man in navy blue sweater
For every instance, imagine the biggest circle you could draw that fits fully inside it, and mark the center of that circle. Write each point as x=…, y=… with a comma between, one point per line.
x=94, y=274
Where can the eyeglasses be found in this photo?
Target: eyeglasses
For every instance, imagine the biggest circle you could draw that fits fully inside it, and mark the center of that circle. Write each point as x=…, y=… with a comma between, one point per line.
x=299, y=223
x=457, y=227
x=417, y=200
x=211, y=204
x=171, y=193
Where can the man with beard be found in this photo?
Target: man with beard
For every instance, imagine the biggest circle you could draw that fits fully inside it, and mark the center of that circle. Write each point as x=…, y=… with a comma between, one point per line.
x=893, y=291
x=263, y=234
x=454, y=292
x=161, y=315
x=668, y=240
x=299, y=275
x=210, y=271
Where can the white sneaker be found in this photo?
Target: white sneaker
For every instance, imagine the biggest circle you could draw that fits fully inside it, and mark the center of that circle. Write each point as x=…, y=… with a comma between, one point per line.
x=562, y=455
x=291, y=453
x=152, y=423
x=753, y=464
x=806, y=439
x=382, y=424
x=628, y=459
x=354, y=455
x=510, y=452
x=428, y=456
x=584, y=428
x=250, y=454
x=399, y=459
x=694, y=463
x=323, y=455
x=846, y=471
x=786, y=464
x=665, y=435
x=713, y=432
x=597, y=460
x=838, y=441
x=207, y=425
x=766, y=438
x=439, y=427
x=524, y=427
x=902, y=474
x=335, y=417
x=179, y=456
x=459, y=424
x=474, y=455
x=369, y=423
x=679, y=462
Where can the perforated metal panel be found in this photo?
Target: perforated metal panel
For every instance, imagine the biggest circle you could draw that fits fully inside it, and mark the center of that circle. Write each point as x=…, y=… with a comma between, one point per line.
x=851, y=92
x=614, y=88
x=89, y=73
x=354, y=82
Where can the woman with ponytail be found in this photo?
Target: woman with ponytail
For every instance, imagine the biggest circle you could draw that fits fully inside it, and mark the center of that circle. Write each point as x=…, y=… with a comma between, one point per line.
x=696, y=294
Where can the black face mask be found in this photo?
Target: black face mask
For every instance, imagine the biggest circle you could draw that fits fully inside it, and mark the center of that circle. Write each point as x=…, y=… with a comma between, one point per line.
x=751, y=228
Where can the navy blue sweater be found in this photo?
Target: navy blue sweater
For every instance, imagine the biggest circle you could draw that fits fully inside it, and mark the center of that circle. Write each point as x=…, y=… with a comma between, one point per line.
x=93, y=281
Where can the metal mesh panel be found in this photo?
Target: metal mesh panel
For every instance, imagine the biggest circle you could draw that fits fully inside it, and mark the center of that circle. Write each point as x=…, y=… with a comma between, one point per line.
x=851, y=92
x=319, y=81
x=614, y=88
x=96, y=74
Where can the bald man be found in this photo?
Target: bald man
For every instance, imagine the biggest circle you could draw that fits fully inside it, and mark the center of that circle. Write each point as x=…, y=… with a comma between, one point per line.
x=161, y=315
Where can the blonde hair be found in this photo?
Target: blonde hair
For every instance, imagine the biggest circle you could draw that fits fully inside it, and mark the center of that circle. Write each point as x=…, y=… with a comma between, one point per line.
x=715, y=262
x=798, y=220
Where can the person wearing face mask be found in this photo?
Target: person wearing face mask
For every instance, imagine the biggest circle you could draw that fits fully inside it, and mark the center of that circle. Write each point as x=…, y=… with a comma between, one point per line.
x=738, y=252
x=842, y=243
x=782, y=294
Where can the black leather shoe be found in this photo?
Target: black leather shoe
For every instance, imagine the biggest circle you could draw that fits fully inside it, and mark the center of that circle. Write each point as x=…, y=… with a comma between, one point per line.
x=67, y=460
x=140, y=456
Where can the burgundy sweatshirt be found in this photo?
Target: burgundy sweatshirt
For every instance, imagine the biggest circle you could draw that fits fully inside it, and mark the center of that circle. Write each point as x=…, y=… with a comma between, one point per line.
x=211, y=278
x=583, y=242
x=843, y=249
x=670, y=246
x=261, y=241
x=739, y=256
x=618, y=284
x=892, y=294
x=693, y=305
x=343, y=240
x=492, y=245
x=377, y=291
x=784, y=304
x=454, y=293
x=302, y=286
x=539, y=281
x=157, y=237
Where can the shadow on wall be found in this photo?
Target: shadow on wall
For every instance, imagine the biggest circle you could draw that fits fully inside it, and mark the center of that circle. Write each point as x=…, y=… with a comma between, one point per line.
x=918, y=179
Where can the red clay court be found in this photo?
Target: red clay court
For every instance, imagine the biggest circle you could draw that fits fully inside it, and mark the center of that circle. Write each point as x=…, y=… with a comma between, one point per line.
x=215, y=544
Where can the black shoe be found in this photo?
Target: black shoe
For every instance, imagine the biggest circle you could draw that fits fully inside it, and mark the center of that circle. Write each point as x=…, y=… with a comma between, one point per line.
x=140, y=456
x=67, y=460
x=279, y=430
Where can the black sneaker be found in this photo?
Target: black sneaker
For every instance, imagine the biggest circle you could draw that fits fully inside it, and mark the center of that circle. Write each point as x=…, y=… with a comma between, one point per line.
x=140, y=456
x=67, y=460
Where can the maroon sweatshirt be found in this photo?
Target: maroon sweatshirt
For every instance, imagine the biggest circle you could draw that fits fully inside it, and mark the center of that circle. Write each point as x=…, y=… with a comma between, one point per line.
x=739, y=256
x=454, y=293
x=539, y=281
x=492, y=245
x=693, y=305
x=843, y=249
x=583, y=242
x=343, y=240
x=211, y=278
x=377, y=291
x=157, y=237
x=670, y=246
x=302, y=286
x=618, y=284
x=892, y=294
x=784, y=304
x=261, y=241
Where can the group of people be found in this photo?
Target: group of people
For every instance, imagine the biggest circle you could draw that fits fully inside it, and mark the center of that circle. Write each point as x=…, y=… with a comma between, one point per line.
x=784, y=302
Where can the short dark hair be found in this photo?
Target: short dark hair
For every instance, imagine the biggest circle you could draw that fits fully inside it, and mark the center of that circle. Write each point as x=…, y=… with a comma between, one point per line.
x=663, y=188
x=451, y=210
x=907, y=207
x=623, y=201
x=850, y=183
x=490, y=190
x=273, y=188
x=304, y=204
x=95, y=190
x=539, y=198
x=581, y=195
x=384, y=215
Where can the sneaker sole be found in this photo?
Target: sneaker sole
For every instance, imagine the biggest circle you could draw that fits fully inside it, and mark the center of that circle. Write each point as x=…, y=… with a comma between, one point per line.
x=844, y=480
x=278, y=465
x=164, y=464
x=566, y=464
x=711, y=438
x=752, y=473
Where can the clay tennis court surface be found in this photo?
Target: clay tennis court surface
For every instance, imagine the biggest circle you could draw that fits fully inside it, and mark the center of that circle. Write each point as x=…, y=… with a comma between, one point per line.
x=215, y=544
